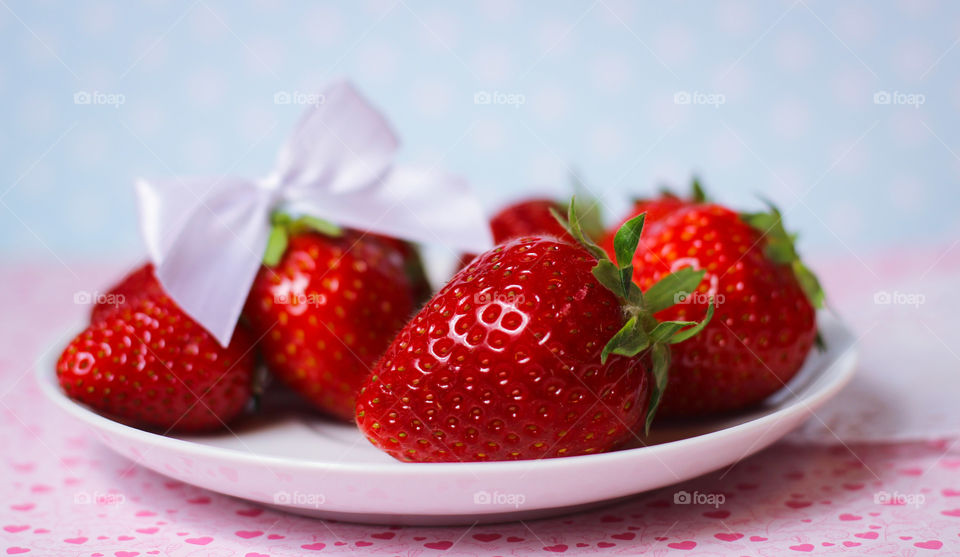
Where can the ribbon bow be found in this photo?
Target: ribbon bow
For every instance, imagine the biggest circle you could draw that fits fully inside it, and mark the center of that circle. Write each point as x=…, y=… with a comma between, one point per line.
x=206, y=237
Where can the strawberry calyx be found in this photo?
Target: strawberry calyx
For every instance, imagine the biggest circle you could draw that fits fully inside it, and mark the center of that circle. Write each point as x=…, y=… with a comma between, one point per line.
x=642, y=332
x=283, y=226
x=781, y=248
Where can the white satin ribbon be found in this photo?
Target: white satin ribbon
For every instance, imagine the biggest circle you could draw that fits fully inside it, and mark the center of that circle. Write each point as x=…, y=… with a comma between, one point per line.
x=206, y=237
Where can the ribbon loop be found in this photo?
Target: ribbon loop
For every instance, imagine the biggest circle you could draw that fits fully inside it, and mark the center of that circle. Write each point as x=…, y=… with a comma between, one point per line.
x=343, y=143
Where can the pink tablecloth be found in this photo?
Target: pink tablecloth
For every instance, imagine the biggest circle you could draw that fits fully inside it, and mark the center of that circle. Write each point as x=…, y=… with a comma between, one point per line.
x=61, y=493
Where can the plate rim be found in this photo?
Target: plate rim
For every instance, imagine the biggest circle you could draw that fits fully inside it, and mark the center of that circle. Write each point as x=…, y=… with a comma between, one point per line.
x=45, y=375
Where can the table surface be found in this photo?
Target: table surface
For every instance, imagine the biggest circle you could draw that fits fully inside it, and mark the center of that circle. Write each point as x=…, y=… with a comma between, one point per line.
x=61, y=493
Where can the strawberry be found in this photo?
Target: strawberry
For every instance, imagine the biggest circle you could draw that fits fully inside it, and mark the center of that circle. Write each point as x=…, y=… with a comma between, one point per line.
x=138, y=284
x=766, y=299
x=539, y=348
x=149, y=363
x=327, y=305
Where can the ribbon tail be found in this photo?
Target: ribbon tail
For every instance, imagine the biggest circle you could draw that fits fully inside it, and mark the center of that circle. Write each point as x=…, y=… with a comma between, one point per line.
x=210, y=263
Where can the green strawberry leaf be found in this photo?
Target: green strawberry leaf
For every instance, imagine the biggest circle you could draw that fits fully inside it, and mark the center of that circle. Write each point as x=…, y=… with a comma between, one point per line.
x=609, y=276
x=626, y=240
x=625, y=243
x=780, y=244
x=282, y=226
x=781, y=248
x=573, y=225
x=672, y=289
x=695, y=330
x=660, y=368
x=696, y=192
x=617, y=280
x=276, y=245
x=809, y=283
x=326, y=228
x=665, y=330
x=629, y=341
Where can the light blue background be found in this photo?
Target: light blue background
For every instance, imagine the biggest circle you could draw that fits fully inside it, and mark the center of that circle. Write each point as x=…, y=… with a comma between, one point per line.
x=799, y=123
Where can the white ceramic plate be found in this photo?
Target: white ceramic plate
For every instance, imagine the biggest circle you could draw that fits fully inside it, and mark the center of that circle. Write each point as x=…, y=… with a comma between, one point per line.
x=291, y=459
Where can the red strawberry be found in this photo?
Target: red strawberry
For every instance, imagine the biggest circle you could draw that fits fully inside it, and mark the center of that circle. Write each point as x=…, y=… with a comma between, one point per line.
x=148, y=362
x=765, y=320
x=139, y=283
x=537, y=349
x=327, y=309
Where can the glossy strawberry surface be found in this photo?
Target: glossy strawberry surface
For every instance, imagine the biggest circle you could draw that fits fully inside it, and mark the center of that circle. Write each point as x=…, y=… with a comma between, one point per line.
x=327, y=312
x=151, y=364
x=764, y=325
x=504, y=364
